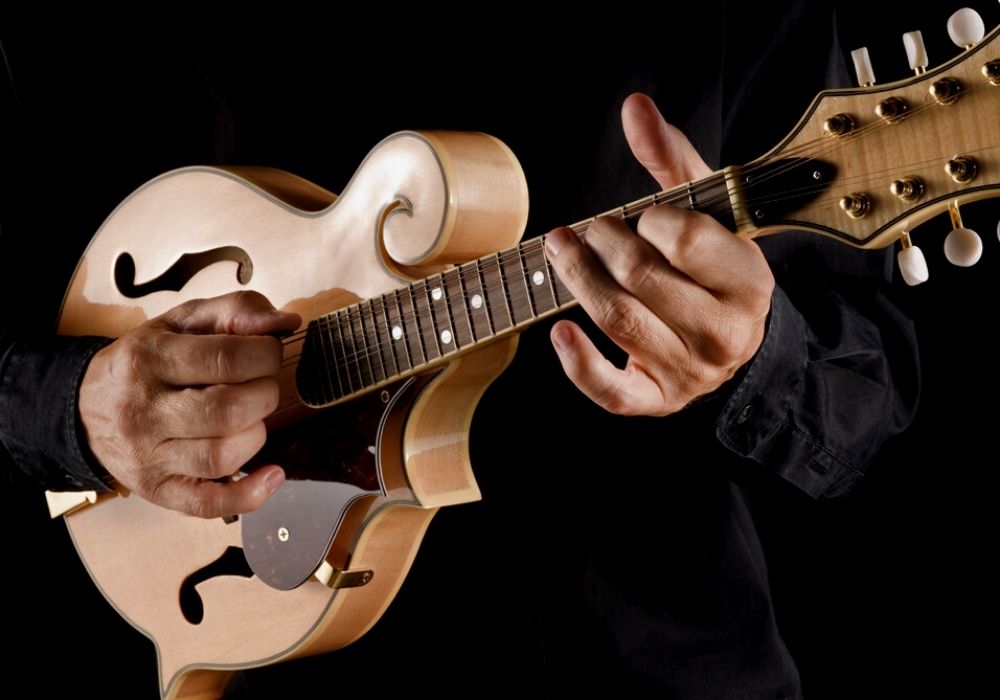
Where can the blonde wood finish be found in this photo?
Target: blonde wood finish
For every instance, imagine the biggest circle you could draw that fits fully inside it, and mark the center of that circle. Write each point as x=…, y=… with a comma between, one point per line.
x=314, y=259
x=874, y=155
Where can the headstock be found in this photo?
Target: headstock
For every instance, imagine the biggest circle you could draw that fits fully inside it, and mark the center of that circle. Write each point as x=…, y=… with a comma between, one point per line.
x=890, y=157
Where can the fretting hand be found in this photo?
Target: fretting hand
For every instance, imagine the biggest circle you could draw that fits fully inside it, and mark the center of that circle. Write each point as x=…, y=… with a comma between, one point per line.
x=685, y=298
x=176, y=404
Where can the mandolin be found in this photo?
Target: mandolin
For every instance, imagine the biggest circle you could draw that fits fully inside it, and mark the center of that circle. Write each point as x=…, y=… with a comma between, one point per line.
x=413, y=296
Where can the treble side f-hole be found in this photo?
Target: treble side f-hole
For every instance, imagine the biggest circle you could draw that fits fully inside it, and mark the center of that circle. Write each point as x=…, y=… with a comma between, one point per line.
x=180, y=273
x=230, y=563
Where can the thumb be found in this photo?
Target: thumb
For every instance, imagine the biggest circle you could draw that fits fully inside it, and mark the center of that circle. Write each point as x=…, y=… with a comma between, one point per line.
x=660, y=147
x=237, y=313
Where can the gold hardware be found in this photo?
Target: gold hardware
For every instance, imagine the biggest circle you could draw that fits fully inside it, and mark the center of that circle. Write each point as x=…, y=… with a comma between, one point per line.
x=856, y=204
x=909, y=188
x=961, y=168
x=839, y=125
x=946, y=90
x=955, y=215
x=891, y=109
x=338, y=578
x=904, y=240
x=992, y=72
x=65, y=502
x=283, y=534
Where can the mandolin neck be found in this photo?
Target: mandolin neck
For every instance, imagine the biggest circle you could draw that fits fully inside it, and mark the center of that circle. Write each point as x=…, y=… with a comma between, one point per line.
x=411, y=329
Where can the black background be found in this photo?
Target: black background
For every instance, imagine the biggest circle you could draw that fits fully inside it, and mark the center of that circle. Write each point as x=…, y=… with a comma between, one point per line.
x=885, y=591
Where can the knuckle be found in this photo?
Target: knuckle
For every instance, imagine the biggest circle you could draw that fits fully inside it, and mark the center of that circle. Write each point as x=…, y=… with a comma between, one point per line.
x=688, y=241
x=622, y=320
x=200, y=506
x=638, y=272
x=220, y=458
x=224, y=412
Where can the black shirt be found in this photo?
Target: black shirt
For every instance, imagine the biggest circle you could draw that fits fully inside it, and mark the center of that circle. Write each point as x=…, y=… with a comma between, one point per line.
x=607, y=508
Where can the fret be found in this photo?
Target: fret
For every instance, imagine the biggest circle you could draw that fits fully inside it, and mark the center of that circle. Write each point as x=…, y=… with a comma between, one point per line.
x=496, y=295
x=357, y=332
x=371, y=334
x=512, y=273
x=559, y=291
x=537, y=272
x=331, y=361
x=407, y=316
x=458, y=310
x=425, y=319
x=308, y=379
x=385, y=332
x=528, y=284
x=485, y=297
x=444, y=324
x=350, y=354
x=475, y=298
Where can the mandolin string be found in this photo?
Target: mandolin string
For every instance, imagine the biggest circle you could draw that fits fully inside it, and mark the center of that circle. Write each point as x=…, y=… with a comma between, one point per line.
x=537, y=242
x=672, y=196
x=385, y=354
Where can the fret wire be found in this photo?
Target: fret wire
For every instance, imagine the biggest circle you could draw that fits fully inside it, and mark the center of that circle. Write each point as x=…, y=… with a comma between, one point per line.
x=504, y=289
x=530, y=293
x=416, y=323
x=536, y=252
x=349, y=355
x=370, y=379
x=388, y=336
x=486, y=297
x=449, y=278
x=402, y=326
x=378, y=347
x=329, y=356
x=465, y=300
x=433, y=317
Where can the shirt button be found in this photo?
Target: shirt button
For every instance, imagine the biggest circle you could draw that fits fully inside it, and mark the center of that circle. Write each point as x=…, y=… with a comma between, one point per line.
x=745, y=414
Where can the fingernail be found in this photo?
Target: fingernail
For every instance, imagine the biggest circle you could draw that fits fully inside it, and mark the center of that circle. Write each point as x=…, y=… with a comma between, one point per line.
x=561, y=338
x=275, y=479
x=555, y=240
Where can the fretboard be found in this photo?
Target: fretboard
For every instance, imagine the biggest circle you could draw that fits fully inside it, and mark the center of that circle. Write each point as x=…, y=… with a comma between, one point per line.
x=411, y=329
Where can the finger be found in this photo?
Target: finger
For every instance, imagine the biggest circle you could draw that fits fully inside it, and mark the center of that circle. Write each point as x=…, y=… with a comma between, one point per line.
x=660, y=147
x=212, y=458
x=215, y=457
x=213, y=499
x=237, y=313
x=642, y=270
x=626, y=392
x=625, y=319
x=217, y=410
x=183, y=359
x=730, y=266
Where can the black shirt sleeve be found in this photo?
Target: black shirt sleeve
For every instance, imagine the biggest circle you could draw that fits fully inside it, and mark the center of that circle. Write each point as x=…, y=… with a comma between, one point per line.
x=836, y=376
x=39, y=421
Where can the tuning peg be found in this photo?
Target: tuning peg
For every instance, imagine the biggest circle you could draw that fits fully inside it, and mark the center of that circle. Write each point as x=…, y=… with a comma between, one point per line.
x=916, y=53
x=963, y=246
x=966, y=28
x=863, y=67
x=912, y=264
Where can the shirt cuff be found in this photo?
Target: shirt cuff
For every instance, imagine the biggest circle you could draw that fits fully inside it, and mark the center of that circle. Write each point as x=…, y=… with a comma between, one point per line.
x=39, y=419
x=757, y=422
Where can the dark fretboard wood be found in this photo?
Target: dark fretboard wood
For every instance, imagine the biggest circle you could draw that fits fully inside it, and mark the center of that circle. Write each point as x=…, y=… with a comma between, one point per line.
x=407, y=330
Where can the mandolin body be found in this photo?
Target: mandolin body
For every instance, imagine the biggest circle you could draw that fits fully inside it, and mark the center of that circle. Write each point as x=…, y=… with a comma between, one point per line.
x=366, y=476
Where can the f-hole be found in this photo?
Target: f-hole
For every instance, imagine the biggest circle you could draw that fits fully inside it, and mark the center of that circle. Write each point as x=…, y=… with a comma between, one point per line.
x=231, y=563
x=180, y=273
